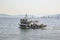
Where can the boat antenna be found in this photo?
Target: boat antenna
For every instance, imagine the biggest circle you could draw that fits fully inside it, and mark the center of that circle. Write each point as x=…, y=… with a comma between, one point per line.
x=26, y=15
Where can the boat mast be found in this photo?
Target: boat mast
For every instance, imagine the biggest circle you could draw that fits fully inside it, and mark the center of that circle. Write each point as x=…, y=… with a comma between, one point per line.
x=26, y=16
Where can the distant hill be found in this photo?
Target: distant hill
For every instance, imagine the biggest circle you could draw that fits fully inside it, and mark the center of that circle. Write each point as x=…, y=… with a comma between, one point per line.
x=14, y=16
x=57, y=16
x=4, y=15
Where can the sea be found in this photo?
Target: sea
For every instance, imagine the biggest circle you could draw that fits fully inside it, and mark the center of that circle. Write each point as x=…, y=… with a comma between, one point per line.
x=9, y=30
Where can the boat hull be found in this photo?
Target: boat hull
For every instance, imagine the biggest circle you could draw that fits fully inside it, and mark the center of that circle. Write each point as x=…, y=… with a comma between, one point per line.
x=32, y=26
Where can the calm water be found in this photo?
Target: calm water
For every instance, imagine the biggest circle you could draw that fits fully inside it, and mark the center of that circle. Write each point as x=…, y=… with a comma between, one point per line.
x=9, y=30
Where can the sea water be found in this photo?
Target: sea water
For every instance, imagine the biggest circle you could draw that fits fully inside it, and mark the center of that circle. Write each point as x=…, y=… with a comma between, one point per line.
x=9, y=30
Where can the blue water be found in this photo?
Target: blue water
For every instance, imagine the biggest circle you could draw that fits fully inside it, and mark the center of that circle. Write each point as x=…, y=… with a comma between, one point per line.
x=9, y=30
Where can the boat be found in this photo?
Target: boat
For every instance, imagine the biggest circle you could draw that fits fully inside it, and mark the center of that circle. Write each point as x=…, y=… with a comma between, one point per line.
x=25, y=23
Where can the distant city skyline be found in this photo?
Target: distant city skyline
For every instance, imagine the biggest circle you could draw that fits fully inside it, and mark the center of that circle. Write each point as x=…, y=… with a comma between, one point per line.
x=32, y=7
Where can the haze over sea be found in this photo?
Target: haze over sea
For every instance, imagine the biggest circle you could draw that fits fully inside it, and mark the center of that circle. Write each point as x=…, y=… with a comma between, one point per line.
x=9, y=29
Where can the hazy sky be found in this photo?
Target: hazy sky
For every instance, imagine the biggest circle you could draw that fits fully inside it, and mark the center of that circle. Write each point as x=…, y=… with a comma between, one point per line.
x=34, y=7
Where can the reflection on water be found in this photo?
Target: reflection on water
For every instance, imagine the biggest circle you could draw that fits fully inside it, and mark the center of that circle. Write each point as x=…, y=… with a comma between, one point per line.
x=9, y=31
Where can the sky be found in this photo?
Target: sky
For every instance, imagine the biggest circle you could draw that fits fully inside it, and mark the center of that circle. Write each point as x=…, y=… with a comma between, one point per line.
x=31, y=7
